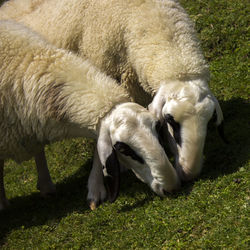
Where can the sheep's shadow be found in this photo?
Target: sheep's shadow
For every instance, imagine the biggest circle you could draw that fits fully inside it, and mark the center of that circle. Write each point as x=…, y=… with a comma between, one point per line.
x=223, y=159
x=33, y=210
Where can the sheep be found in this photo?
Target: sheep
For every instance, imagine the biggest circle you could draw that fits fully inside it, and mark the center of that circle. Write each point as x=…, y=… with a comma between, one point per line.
x=150, y=47
x=48, y=94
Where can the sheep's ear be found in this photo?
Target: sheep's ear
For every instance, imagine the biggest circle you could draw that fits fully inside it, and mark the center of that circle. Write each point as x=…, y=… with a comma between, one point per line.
x=110, y=163
x=219, y=114
x=219, y=120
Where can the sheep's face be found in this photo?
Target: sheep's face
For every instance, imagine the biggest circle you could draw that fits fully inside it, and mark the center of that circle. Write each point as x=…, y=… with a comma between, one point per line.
x=186, y=108
x=133, y=137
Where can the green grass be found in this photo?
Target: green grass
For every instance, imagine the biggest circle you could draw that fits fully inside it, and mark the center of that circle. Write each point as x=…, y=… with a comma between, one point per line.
x=210, y=213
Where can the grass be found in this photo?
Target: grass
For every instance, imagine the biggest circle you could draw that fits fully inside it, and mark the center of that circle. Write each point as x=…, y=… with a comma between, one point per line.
x=210, y=213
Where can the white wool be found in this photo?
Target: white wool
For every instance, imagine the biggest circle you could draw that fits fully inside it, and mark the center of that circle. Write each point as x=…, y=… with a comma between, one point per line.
x=150, y=41
x=44, y=91
x=49, y=94
x=147, y=45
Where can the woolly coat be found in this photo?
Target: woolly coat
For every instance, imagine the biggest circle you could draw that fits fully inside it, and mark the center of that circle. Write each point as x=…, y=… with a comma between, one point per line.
x=140, y=43
x=47, y=94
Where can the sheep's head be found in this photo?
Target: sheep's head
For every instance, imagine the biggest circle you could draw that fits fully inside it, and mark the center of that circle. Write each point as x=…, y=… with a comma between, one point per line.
x=186, y=108
x=129, y=134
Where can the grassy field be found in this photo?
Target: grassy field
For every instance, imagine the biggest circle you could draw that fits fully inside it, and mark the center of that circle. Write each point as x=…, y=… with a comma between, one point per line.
x=210, y=213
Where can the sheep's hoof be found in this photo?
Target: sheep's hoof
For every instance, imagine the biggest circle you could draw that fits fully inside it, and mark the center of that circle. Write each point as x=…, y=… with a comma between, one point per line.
x=92, y=205
x=96, y=195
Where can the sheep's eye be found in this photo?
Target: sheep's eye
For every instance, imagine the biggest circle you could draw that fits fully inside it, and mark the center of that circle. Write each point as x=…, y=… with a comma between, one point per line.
x=176, y=128
x=128, y=151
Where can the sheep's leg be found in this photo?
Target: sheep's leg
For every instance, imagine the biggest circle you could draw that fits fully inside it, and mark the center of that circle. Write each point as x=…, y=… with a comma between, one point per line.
x=3, y=201
x=44, y=183
x=96, y=190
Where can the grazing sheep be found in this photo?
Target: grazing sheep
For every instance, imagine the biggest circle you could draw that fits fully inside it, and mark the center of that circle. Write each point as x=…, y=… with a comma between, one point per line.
x=150, y=47
x=48, y=94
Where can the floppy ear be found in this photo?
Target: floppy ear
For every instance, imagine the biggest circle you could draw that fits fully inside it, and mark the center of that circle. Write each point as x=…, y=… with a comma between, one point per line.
x=110, y=163
x=219, y=120
x=219, y=114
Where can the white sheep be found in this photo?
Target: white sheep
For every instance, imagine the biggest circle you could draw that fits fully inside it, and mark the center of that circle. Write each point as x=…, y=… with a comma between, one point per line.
x=150, y=47
x=48, y=94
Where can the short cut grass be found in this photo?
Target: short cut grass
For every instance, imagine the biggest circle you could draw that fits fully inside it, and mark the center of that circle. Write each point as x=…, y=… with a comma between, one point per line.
x=210, y=213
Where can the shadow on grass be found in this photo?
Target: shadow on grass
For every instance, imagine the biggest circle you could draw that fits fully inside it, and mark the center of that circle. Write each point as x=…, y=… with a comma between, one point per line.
x=223, y=159
x=33, y=210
